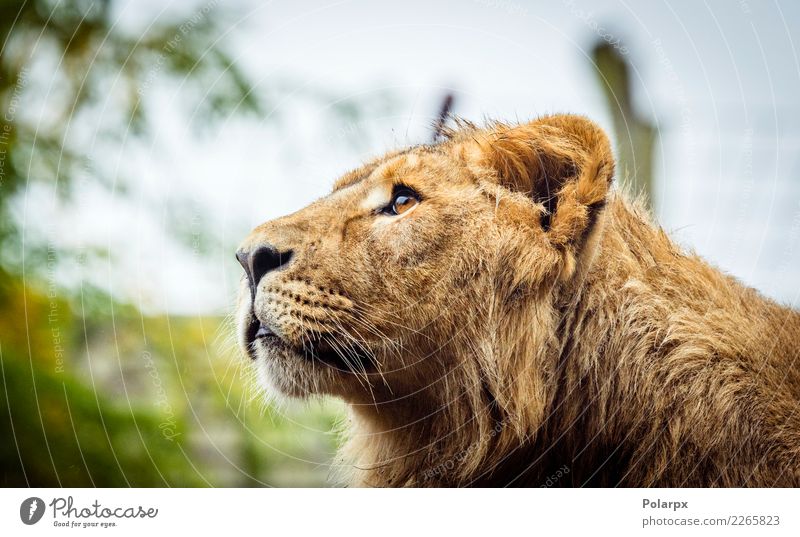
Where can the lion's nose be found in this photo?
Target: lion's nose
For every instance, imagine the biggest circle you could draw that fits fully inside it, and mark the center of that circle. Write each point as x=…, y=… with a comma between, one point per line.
x=258, y=262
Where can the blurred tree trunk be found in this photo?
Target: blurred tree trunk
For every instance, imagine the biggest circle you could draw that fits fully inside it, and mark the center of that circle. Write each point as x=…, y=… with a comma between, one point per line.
x=635, y=135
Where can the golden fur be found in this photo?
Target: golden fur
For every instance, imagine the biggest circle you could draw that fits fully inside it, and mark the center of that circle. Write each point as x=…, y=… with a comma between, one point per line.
x=524, y=324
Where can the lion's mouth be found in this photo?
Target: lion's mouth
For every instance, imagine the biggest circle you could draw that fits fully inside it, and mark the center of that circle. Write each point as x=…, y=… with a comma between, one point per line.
x=318, y=348
x=258, y=331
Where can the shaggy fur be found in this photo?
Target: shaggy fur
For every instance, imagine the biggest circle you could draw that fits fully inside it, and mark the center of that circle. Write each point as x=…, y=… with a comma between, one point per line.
x=524, y=324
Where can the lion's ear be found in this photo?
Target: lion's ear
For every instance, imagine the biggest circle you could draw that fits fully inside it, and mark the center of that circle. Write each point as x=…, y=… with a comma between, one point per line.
x=564, y=162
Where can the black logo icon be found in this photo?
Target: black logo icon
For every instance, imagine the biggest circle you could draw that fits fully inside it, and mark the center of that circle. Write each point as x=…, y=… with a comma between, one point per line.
x=31, y=510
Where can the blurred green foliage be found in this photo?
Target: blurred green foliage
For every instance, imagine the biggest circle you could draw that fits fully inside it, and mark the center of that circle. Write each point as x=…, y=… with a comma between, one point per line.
x=141, y=401
x=62, y=433
x=95, y=393
x=70, y=63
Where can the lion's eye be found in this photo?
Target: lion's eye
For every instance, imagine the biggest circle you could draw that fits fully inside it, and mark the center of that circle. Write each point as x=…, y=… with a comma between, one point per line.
x=404, y=199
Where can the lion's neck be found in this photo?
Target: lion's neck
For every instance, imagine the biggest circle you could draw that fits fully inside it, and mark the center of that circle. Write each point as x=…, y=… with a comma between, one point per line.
x=417, y=439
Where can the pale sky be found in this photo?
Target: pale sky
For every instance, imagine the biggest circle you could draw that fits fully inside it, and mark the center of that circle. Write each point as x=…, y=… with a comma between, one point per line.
x=720, y=78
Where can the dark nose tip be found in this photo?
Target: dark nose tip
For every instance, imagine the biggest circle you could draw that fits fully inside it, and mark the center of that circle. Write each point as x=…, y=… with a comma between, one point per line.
x=260, y=261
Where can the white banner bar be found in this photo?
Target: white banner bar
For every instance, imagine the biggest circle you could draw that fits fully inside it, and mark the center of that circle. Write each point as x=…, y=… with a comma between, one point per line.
x=353, y=512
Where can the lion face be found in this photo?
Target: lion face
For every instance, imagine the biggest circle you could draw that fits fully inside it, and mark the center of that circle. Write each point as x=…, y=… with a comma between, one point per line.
x=337, y=293
x=393, y=279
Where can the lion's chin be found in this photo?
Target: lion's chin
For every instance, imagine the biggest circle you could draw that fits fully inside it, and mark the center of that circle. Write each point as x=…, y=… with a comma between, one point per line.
x=283, y=370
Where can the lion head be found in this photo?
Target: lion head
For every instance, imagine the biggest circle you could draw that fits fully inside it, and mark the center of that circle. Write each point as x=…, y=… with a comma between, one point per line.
x=422, y=289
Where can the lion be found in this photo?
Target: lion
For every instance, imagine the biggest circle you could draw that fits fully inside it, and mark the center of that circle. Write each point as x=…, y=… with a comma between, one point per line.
x=494, y=313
